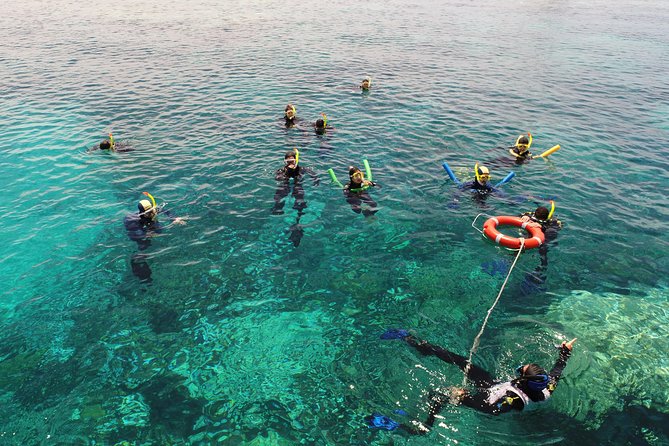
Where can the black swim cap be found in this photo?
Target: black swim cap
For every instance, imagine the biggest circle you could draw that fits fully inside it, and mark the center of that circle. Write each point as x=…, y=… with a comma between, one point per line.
x=320, y=123
x=105, y=145
x=523, y=140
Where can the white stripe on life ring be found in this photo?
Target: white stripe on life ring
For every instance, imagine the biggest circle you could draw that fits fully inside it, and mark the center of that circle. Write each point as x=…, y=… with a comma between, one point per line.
x=496, y=221
x=498, y=238
x=537, y=239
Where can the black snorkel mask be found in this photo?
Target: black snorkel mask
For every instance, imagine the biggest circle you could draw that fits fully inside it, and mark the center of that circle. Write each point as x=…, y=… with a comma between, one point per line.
x=536, y=383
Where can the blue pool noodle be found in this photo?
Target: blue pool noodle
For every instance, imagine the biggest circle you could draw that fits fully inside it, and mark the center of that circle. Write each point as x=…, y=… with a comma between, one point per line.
x=506, y=179
x=451, y=174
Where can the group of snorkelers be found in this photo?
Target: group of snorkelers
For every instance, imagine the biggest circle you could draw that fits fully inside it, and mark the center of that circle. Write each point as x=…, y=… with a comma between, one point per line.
x=532, y=384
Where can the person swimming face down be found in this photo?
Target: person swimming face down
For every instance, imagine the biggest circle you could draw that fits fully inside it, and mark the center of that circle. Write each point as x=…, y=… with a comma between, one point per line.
x=533, y=376
x=541, y=213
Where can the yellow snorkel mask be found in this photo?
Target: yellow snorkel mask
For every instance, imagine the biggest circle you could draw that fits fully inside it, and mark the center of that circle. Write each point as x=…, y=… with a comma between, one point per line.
x=484, y=172
x=524, y=147
x=291, y=112
x=550, y=214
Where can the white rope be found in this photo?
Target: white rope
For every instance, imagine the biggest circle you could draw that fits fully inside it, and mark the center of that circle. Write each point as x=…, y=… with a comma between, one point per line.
x=477, y=340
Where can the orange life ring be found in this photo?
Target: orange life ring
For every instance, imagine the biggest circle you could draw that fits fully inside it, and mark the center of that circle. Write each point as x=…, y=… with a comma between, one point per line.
x=490, y=231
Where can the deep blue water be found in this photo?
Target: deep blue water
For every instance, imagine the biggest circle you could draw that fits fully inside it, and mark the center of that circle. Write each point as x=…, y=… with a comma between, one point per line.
x=241, y=338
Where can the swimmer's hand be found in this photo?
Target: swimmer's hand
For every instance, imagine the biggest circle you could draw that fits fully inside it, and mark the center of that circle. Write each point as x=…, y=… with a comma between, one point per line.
x=525, y=218
x=569, y=345
x=179, y=221
x=456, y=394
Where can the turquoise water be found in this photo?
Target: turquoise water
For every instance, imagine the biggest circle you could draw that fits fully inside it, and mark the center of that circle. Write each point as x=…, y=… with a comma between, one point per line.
x=242, y=338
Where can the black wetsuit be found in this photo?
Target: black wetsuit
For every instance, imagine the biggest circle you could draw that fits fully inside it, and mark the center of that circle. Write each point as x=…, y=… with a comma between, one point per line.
x=482, y=189
x=284, y=175
x=550, y=229
x=520, y=158
x=118, y=147
x=492, y=397
x=356, y=196
x=140, y=229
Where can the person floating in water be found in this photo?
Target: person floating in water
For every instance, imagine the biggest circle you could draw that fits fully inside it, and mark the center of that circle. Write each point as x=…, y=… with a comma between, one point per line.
x=481, y=182
x=550, y=227
x=356, y=193
x=531, y=385
x=140, y=227
x=290, y=116
x=111, y=145
x=521, y=149
x=292, y=170
x=366, y=84
x=480, y=186
x=321, y=125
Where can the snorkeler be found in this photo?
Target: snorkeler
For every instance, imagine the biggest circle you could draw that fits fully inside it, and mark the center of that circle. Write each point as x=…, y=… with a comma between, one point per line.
x=550, y=227
x=521, y=149
x=143, y=225
x=112, y=146
x=532, y=385
x=356, y=192
x=290, y=115
x=481, y=182
x=321, y=125
x=292, y=170
x=366, y=84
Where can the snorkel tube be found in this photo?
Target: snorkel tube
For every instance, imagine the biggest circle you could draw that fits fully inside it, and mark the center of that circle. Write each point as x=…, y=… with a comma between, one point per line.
x=111, y=141
x=450, y=173
x=550, y=214
x=476, y=173
x=325, y=120
x=153, y=201
x=297, y=156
